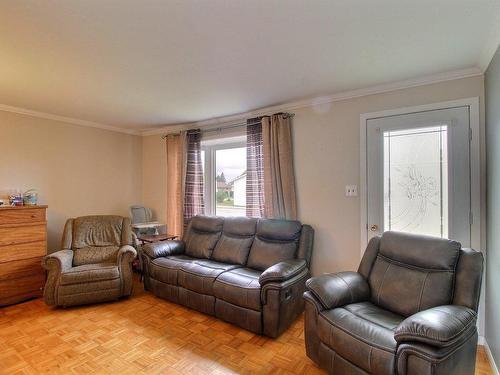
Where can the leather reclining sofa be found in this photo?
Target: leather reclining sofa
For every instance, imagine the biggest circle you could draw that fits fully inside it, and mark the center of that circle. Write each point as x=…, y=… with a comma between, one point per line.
x=249, y=272
x=411, y=309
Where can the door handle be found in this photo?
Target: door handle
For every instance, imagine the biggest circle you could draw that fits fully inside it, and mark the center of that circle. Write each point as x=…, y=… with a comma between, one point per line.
x=374, y=228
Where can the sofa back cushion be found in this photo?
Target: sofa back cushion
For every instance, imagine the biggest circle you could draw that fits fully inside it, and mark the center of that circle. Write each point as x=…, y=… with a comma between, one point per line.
x=237, y=237
x=413, y=273
x=275, y=241
x=202, y=235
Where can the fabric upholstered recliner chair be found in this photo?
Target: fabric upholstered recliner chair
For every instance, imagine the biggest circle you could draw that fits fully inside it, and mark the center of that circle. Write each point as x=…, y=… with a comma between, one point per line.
x=410, y=309
x=95, y=263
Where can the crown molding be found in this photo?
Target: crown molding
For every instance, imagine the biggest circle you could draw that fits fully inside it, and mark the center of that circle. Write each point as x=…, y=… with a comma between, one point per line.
x=352, y=94
x=67, y=120
x=230, y=119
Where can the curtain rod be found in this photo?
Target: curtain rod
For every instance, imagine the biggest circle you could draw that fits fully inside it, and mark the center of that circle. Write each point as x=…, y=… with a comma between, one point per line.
x=232, y=126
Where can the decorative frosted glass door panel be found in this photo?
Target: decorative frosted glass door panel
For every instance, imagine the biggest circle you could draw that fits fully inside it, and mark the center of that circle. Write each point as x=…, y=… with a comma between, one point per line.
x=418, y=174
x=416, y=181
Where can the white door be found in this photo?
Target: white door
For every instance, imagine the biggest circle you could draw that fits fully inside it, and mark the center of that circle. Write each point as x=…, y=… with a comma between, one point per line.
x=418, y=174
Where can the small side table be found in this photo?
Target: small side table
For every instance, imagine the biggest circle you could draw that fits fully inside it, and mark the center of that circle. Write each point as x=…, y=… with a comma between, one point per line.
x=150, y=238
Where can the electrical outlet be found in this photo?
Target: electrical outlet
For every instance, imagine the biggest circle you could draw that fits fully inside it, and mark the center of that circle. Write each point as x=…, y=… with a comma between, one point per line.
x=351, y=191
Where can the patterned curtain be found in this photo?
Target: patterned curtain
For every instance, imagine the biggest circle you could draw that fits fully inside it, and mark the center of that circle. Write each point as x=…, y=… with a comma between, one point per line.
x=193, y=191
x=255, y=170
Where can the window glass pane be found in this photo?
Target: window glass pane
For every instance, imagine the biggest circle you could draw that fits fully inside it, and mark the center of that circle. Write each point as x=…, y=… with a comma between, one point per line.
x=416, y=181
x=230, y=181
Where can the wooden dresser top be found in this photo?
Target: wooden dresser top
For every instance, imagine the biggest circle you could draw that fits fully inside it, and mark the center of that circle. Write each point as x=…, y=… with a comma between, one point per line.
x=22, y=207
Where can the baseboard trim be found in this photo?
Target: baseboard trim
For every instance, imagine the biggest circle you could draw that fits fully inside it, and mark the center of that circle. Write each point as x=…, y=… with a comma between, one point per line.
x=494, y=367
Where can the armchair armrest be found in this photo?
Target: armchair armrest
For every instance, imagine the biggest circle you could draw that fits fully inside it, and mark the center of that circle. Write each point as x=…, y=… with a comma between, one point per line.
x=282, y=271
x=163, y=248
x=339, y=289
x=55, y=264
x=440, y=326
x=60, y=261
x=126, y=256
x=126, y=253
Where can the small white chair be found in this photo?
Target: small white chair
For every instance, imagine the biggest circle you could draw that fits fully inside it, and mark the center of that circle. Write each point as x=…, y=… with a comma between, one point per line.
x=142, y=221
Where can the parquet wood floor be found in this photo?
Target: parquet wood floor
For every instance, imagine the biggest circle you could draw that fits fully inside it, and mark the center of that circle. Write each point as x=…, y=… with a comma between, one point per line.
x=145, y=335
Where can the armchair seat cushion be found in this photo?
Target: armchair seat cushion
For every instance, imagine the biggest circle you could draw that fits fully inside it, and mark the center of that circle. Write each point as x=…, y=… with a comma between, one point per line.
x=361, y=333
x=90, y=273
x=167, y=269
x=239, y=287
x=374, y=314
x=199, y=276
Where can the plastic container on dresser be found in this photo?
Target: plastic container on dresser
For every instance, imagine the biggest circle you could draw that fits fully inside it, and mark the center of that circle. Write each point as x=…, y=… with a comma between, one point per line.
x=23, y=244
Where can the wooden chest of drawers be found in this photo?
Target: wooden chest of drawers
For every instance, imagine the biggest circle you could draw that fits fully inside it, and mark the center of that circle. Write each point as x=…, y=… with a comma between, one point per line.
x=23, y=244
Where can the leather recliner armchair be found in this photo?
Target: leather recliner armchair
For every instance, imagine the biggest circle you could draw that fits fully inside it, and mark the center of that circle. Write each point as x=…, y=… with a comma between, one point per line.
x=411, y=309
x=95, y=263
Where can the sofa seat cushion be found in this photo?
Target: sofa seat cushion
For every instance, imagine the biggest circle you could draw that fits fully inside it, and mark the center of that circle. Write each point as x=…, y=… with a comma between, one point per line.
x=199, y=275
x=240, y=287
x=166, y=269
x=362, y=333
x=90, y=273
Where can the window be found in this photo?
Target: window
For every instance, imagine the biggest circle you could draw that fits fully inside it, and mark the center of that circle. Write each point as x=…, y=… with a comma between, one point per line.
x=225, y=164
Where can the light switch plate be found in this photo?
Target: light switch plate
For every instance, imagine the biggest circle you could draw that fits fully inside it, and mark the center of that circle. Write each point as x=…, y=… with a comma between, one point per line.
x=351, y=190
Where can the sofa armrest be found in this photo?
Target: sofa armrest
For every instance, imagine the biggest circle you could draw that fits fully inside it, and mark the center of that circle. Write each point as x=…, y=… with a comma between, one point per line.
x=58, y=262
x=163, y=248
x=339, y=289
x=282, y=271
x=440, y=326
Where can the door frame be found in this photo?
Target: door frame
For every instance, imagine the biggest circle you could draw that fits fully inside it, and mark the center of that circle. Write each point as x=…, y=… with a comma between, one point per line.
x=475, y=161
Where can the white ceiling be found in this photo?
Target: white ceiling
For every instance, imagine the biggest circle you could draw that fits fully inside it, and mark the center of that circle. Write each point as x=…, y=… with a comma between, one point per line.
x=144, y=64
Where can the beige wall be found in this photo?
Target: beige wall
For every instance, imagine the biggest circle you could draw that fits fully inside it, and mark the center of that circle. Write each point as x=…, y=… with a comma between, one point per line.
x=77, y=170
x=326, y=144
x=327, y=157
x=154, y=176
